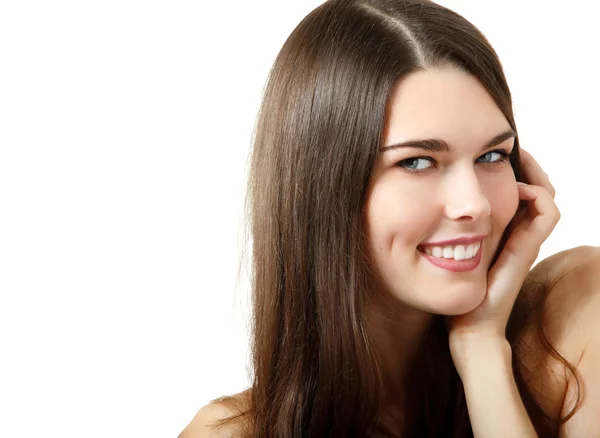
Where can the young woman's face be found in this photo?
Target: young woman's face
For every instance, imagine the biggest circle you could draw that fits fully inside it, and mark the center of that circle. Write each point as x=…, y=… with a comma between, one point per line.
x=420, y=197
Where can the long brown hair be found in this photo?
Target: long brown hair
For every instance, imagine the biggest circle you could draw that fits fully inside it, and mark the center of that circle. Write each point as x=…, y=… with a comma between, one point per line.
x=315, y=369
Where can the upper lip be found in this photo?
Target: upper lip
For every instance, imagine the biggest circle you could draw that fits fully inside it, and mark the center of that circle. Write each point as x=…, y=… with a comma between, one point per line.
x=461, y=240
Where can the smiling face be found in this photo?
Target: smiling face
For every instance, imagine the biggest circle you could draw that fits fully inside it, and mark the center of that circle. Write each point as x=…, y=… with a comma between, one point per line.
x=418, y=197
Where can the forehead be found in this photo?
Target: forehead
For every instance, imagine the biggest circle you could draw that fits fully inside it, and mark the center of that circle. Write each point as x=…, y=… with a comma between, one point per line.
x=444, y=103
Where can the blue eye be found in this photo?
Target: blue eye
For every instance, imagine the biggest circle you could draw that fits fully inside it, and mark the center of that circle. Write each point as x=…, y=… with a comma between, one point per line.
x=503, y=156
x=411, y=165
x=413, y=160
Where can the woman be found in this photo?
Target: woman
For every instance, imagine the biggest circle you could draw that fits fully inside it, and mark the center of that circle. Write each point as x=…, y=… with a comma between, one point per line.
x=392, y=245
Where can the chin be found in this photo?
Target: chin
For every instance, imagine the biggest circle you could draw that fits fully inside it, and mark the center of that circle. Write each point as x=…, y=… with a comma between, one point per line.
x=463, y=304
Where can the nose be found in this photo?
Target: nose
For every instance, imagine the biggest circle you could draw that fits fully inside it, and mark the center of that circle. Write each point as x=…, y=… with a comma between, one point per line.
x=465, y=197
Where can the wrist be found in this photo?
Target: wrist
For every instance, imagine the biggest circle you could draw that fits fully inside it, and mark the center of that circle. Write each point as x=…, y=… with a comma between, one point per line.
x=473, y=353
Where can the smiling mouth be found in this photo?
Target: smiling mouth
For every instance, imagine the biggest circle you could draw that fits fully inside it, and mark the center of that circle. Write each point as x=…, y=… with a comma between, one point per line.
x=452, y=252
x=452, y=264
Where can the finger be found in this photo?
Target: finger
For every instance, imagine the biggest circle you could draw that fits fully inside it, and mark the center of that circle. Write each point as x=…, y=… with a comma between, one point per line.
x=534, y=172
x=523, y=245
x=542, y=215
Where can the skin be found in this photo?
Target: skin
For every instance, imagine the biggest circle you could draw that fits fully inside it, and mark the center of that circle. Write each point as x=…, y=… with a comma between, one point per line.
x=459, y=193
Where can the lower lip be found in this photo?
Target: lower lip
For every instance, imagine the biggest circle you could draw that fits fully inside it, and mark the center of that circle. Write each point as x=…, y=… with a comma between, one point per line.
x=456, y=265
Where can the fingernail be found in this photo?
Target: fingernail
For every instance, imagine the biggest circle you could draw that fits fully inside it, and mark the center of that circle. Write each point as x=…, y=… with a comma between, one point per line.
x=522, y=183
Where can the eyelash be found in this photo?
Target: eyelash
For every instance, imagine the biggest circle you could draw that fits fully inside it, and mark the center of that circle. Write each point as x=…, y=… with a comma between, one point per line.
x=504, y=156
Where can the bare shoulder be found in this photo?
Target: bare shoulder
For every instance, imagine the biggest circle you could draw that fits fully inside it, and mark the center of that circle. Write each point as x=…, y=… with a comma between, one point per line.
x=573, y=296
x=574, y=290
x=203, y=425
x=572, y=302
x=561, y=263
x=573, y=308
x=571, y=282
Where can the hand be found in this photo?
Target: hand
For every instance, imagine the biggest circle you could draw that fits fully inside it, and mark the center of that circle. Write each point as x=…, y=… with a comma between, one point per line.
x=530, y=227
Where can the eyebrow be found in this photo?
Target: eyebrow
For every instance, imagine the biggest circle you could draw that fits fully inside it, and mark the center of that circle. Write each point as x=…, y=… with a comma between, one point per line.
x=439, y=145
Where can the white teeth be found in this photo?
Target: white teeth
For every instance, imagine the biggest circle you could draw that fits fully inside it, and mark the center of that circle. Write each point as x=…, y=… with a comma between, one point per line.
x=448, y=253
x=458, y=252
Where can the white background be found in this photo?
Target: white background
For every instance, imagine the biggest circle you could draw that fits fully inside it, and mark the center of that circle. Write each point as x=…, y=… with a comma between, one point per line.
x=124, y=132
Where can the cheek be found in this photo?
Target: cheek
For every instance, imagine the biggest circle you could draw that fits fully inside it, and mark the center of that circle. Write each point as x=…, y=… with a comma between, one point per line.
x=504, y=200
x=394, y=215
